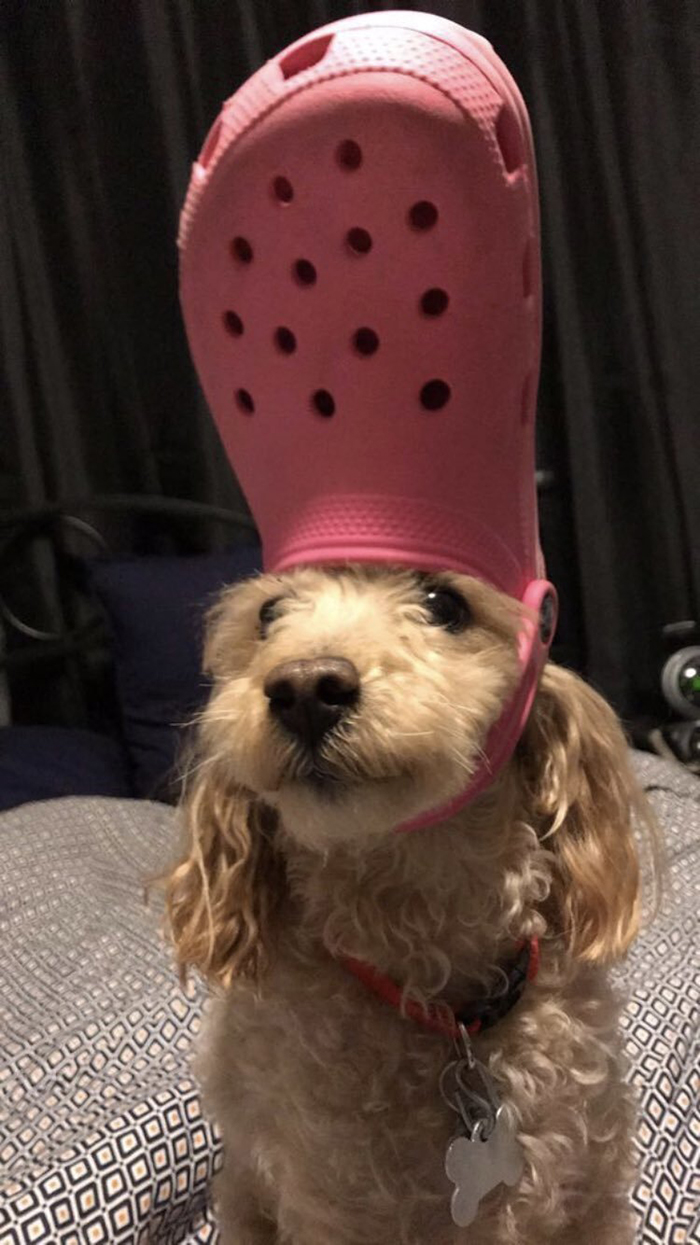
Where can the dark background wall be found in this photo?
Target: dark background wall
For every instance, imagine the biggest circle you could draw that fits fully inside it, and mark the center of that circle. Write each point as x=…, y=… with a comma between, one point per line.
x=103, y=106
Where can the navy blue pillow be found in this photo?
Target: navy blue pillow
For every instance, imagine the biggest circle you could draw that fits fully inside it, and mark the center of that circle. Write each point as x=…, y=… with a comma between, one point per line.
x=156, y=607
x=44, y=762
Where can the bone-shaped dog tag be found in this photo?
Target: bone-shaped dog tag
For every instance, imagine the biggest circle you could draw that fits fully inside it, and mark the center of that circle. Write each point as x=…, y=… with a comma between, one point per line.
x=477, y=1166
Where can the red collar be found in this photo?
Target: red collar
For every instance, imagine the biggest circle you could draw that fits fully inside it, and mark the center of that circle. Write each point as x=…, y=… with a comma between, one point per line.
x=439, y=1016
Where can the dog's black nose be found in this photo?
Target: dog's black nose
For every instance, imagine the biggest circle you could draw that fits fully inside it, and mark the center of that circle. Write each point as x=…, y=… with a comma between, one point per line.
x=310, y=697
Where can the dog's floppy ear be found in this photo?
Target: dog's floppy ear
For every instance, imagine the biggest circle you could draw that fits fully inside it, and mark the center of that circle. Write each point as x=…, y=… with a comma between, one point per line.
x=221, y=897
x=583, y=795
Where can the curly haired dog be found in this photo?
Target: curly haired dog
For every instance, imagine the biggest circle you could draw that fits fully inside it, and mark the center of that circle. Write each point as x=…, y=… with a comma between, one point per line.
x=344, y=701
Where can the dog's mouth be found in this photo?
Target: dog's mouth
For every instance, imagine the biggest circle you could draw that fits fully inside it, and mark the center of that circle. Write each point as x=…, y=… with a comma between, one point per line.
x=322, y=776
x=329, y=778
x=326, y=781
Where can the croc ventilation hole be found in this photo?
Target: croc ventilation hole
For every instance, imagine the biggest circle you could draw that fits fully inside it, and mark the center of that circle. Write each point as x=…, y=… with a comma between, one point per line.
x=242, y=251
x=349, y=155
x=282, y=190
x=210, y=145
x=509, y=139
x=435, y=394
x=324, y=403
x=285, y=340
x=245, y=401
x=366, y=341
x=359, y=241
x=304, y=272
x=434, y=302
x=305, y=57
x=423, y=215
x=233, y=323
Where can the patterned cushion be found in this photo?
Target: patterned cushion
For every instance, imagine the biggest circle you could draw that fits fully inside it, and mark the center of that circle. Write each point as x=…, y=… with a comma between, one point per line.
x=662, y=1021
x=101, y=1135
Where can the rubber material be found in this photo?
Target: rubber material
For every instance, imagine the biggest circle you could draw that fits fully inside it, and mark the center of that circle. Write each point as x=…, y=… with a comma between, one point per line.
x=360, y=282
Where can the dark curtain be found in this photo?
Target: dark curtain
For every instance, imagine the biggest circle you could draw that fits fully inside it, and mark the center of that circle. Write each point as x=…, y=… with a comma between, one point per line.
x=103, y=106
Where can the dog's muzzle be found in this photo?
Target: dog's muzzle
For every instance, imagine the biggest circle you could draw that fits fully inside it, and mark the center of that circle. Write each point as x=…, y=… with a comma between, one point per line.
x=309, y=698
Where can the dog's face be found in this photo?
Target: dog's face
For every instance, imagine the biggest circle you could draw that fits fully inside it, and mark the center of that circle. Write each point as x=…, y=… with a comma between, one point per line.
x=352, y=699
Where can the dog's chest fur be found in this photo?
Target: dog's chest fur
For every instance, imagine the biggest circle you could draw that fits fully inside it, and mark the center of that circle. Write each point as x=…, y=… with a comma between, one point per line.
x=332, y=1100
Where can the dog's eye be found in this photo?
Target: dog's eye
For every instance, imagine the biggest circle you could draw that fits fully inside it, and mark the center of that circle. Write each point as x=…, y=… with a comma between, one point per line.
x=447, y=608
x=269, y=611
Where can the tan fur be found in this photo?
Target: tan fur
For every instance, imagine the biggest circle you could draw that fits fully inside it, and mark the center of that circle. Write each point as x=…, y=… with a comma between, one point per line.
x=328, y=1099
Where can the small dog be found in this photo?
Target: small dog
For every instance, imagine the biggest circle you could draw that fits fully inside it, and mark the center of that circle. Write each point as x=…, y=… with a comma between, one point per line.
x=346, y=700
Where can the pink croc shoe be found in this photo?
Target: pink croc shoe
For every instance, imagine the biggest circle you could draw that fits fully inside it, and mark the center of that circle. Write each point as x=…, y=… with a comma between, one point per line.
x=360, y=281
